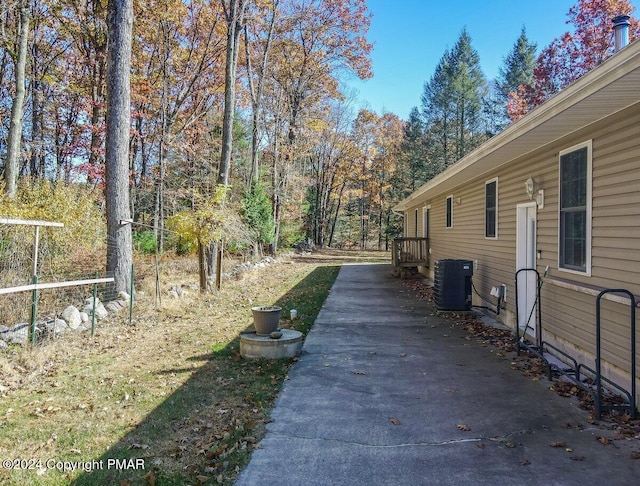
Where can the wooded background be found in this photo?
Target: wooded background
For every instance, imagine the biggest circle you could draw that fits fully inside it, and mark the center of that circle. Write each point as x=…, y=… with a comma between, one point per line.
x=296, y=161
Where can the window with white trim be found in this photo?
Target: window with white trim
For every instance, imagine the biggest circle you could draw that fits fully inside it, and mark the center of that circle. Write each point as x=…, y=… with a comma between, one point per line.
x=574, y=232
x=491, y=209
x=449, y=220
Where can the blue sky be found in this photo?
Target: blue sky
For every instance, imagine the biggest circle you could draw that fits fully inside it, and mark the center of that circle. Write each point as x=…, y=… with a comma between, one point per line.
x=410, y=37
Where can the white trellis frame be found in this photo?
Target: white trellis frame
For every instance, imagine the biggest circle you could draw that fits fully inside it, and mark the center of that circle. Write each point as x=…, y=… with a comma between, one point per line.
x=35, y=286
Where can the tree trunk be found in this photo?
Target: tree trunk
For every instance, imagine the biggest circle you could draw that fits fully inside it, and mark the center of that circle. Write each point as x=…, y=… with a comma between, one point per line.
x=36, y=169
x=119, y=251
x=17, y=108
x=235, y=16
x=256, y=93
x=211, y=266
x=202, y=266
x=274, y=187
x=335, y=218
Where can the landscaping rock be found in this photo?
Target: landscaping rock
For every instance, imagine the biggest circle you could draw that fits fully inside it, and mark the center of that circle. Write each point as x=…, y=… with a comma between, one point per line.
x=177, y=291
x=57, y=326
x=101, y=312
x=304, y=247
x=240, y=268
x=18, y=334
x=3, y=345
x=124, y=296
x=84, y=317
x=71, y=316
x=115, y=305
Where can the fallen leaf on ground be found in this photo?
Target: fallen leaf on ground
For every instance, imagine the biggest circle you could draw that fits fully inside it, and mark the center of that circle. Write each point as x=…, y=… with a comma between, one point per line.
x=394, y=421
x=557, y=444
x=604, y=440
x=150, y=478
x=526, y=462
x=359, y=372
x=464, y=427
x=135, y=445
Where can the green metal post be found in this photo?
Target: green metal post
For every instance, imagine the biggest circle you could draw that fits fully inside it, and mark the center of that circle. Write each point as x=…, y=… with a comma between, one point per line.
x=34, y=311
x=93, y=314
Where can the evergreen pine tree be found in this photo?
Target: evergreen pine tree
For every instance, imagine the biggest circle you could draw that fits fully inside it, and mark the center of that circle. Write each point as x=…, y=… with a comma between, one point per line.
x=470, y=88
x=452, y=104
x=438, y=110
x=256, y=211
x=518, y=67
x=413, y=154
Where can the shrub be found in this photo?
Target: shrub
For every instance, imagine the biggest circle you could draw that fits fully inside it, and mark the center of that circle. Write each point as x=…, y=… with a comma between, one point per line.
x=82, y=240
x=145, y=241
x=256, y=211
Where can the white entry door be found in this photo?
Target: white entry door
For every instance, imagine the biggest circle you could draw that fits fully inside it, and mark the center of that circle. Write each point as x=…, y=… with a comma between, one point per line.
x=526, y=258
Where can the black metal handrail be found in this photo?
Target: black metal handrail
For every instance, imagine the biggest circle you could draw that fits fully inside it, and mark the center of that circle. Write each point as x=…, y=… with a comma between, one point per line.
x=599, y=378
x=575, y=370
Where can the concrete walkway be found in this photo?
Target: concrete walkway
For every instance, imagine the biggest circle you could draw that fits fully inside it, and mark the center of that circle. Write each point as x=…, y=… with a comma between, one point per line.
x=384, y=387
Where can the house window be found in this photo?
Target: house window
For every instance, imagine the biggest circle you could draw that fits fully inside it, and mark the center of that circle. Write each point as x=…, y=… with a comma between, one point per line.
x=415, y=222
x=575, y=209
x=450, y=212
x=491, y=209
x=425, y=221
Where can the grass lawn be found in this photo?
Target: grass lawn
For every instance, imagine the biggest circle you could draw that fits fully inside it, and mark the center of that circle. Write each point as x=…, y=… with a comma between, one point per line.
x=166, y=400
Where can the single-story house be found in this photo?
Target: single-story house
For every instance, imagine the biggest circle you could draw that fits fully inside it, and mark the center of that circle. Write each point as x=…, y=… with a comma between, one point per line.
x=560, y=188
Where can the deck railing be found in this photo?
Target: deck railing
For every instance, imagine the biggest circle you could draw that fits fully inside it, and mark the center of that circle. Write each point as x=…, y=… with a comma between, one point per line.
x=410, y=252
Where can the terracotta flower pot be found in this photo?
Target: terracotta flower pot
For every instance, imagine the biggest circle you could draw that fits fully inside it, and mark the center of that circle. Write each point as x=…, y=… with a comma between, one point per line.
x=266, y=319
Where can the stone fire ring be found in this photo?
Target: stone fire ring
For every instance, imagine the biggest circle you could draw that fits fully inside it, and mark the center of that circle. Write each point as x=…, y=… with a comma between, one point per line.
x=253, y=346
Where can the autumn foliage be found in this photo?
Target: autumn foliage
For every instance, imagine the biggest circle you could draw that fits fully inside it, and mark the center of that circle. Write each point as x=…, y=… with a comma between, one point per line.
x=330, y=170
x=574, y=53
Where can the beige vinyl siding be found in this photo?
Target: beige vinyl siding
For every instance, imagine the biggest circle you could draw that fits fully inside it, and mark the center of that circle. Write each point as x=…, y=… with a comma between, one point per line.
x=496, y=257
x=564, y=313
x=568, y=315
x=411, y=222
x=615, y=246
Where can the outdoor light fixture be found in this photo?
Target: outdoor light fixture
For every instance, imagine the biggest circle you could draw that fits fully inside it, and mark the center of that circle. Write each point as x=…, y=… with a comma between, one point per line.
x=530, y=187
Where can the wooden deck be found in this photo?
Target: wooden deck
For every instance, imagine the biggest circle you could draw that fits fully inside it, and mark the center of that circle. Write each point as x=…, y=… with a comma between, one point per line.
x=410, y=252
